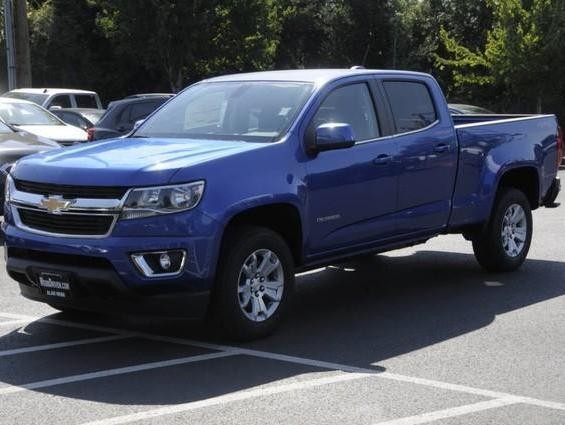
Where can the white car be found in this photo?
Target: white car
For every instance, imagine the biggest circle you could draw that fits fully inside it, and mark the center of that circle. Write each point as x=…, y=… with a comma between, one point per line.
x=58, y=98
x=34, y=119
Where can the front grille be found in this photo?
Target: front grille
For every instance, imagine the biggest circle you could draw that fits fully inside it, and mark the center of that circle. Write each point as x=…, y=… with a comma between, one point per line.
x=70, y=191
x=66, y=224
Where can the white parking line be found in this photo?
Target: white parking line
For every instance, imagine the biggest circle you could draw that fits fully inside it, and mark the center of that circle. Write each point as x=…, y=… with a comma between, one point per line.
x=9, y=323
x=453, y=412
x=303, y=361
x=229, y=398
x=112, y=372
x=57, y=345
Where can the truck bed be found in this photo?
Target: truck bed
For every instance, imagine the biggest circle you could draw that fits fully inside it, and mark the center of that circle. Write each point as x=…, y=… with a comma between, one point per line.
x=490, y=145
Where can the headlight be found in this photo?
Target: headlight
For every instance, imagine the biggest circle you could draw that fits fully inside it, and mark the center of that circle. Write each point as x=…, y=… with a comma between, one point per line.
x=150, y=201
x=7, y=188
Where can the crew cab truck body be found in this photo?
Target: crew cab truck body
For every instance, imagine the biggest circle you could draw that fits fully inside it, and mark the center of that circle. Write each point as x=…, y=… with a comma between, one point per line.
x=215, y=201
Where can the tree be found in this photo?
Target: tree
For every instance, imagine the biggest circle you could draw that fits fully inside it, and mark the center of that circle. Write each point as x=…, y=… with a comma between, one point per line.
x=520, y=59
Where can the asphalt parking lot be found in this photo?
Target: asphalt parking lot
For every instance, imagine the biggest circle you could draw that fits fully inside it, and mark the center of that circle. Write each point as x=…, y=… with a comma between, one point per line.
x=415, y=336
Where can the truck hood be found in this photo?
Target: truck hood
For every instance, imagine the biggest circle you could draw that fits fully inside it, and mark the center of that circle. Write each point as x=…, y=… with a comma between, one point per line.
x=125, y=162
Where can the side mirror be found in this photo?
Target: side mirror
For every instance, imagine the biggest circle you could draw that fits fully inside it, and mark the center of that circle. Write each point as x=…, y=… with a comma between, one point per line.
x=137, y=124
x=331, y=136
x=55, y=107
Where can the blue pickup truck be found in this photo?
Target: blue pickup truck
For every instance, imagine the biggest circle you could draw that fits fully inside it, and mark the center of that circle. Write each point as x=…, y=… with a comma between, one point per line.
x=228, y=189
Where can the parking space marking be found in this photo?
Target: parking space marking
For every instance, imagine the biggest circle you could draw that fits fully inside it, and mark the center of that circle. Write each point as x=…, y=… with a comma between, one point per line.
x=229, y=398
x=57, y=345
x=453, y=412
x=113, y=372
x=299, y=360
x=16, y=322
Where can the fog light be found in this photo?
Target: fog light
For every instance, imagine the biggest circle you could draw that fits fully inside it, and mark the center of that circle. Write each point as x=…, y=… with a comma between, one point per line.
x=160, y=263
x=165, y=261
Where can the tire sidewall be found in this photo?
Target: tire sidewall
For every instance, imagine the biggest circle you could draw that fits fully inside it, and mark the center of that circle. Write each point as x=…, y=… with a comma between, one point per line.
x=240, y=246
x=508, y=198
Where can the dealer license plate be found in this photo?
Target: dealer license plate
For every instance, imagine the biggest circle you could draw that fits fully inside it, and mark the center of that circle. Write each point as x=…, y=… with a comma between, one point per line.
x=55, y=284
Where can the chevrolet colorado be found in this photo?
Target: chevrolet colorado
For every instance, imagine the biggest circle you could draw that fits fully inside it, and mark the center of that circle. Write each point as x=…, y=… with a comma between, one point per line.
x=214, y=202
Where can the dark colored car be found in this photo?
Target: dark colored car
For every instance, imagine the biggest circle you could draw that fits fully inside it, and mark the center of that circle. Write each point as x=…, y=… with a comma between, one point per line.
x=14, y=145
x=121, y=116
x=462, y=109
x=84, y=118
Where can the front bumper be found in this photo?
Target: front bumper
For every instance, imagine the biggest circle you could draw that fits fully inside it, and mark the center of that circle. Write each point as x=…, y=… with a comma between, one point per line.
x=103, y=276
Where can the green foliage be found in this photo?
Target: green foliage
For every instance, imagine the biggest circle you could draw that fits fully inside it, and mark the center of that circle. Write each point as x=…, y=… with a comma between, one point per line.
x=519, y=58
x=506, y=54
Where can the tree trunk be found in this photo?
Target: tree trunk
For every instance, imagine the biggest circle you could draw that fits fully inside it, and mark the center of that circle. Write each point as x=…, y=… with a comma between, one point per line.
x=21, y=33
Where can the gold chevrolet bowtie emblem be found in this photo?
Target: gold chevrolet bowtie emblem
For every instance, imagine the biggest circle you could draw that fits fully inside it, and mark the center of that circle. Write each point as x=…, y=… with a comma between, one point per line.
x=56, y=204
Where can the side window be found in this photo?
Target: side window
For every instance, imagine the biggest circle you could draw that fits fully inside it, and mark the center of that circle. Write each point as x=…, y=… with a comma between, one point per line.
x=351, y=105
x=62, y=101
x=412, y=105
x=86, y=101
x=141, y=110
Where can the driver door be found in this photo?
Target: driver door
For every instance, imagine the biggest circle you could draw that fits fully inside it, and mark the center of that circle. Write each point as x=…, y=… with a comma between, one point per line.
x=352, y=193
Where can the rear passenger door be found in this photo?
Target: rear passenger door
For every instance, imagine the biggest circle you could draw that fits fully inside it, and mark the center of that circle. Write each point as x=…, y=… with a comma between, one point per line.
x=351, y=192
x=427, y=155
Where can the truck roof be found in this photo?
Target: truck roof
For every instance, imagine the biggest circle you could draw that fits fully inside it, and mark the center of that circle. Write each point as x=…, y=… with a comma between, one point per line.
x=318, y=76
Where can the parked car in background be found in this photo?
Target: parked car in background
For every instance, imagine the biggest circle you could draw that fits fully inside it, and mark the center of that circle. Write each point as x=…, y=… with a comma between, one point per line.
x=14, y=145
x=121, y=116
x=462, y=109
x=58, y=98
x=141, y=96
x=28, y=116
x=80, y=117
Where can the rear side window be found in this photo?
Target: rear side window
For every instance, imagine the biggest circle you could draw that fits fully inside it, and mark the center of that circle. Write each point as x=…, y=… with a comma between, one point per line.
x=412, y=105
x=86, y=101
x=351, y=105
x=141, y=110
x=61, y=101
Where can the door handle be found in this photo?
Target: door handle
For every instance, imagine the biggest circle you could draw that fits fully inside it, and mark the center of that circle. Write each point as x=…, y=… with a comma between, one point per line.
x=441, y=148
x=382, y=159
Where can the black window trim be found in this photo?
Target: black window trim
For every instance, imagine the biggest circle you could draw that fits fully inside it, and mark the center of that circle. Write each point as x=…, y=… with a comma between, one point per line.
x=383, y=80
x=367, y=83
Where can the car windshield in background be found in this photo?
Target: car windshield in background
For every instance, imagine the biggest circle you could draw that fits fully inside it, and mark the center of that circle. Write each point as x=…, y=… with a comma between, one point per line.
x=93, y=117
x=26, y=114
x=32, y=97
x=5, y=129
x=255, y=111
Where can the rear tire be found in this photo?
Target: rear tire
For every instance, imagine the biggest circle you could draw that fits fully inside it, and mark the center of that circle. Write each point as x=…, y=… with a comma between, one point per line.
x=504, y=244
x=254, y=283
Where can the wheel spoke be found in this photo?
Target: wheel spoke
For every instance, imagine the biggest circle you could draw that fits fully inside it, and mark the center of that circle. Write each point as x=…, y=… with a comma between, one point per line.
x=255, y=308
x=520, y=234
x=271, y=267
x=513, y=247
x=273, y=294
x=244, y=299
x=273, y=284
x=266, y=260
x=262, y=306
x=519, y=215
x=253, y=264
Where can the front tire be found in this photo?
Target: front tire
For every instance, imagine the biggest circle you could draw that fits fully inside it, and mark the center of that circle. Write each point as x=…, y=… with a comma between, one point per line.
x=504, y=244
x=254, y=283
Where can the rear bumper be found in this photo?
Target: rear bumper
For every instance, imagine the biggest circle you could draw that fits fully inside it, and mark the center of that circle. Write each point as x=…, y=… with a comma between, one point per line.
x=552, y=193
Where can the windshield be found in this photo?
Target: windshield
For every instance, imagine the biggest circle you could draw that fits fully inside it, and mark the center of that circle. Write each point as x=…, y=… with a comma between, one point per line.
x=4, y=128
x=255, y=111
x=26, y=114
x=32, y=97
